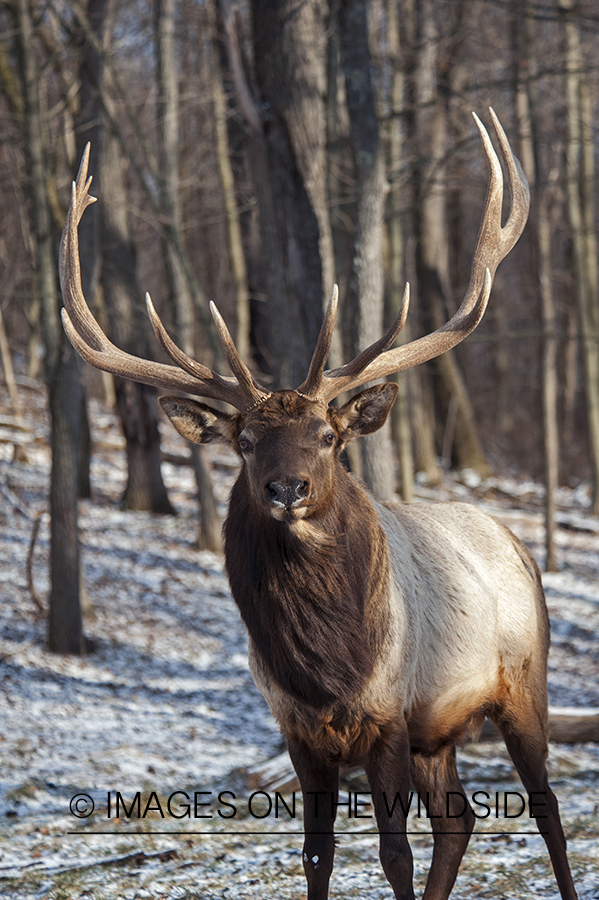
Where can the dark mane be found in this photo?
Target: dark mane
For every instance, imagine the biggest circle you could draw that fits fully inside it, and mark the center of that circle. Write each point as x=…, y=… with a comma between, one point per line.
x=304, y=601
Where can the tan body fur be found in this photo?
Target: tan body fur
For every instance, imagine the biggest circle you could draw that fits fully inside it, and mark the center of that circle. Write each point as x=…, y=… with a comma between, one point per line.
x=467, y=626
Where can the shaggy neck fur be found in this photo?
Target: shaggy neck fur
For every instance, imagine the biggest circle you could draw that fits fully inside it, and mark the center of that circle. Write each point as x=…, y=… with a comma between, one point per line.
x=306, y=596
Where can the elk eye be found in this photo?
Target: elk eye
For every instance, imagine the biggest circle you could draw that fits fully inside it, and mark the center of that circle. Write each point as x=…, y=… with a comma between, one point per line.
x=244, y=445
x=329, y=439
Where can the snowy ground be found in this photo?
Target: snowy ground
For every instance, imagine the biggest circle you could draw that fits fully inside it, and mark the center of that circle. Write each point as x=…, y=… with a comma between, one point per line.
x=165, y=703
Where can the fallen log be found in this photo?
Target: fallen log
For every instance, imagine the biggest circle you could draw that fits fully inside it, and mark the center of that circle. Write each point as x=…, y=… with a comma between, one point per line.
x=567, y=725
x=277, y=774
x=20, y=440
x=15, y=422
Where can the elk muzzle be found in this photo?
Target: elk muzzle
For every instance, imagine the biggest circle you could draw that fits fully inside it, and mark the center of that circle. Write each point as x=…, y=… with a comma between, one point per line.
x=287, y=494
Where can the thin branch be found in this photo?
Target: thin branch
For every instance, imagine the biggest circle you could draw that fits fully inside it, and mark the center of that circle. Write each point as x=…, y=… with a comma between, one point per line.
x=36, y=597
x=249, y=107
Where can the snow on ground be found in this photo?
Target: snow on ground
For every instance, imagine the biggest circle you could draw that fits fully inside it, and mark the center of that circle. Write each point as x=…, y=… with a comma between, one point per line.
x=164, y=703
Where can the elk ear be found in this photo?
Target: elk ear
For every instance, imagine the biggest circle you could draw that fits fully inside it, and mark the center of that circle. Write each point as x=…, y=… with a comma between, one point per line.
x=199, y=423
x=364, y=413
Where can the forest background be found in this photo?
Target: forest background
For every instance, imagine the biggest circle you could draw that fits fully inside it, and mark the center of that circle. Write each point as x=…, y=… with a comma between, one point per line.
x=255, y=153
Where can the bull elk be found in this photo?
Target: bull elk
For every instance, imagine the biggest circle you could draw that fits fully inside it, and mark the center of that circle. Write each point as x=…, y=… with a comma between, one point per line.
x=379, y=633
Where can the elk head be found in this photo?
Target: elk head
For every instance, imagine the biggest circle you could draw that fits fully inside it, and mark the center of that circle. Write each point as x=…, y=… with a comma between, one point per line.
x=290, y=440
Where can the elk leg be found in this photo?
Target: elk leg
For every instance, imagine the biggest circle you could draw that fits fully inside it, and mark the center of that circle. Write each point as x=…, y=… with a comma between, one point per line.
x=525, y=736
x=320, y=789
x=437, y=781
x=388, y=771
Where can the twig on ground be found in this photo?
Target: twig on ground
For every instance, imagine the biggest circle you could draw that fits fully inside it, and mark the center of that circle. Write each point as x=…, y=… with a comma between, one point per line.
x=14, y=500
x=36, y=597
x=135, y=858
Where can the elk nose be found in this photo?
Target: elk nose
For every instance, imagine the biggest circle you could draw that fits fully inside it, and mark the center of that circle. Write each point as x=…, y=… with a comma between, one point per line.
x=287, y=492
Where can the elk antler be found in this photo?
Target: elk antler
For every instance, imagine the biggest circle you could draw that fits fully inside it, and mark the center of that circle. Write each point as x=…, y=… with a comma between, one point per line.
x=91, y=343
x=378, y=360
x=494, y=243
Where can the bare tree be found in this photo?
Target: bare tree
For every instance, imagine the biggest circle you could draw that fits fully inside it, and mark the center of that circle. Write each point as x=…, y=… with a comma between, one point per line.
x=526, y=103
x=550, y=384
x=65, y=632
x=287, y=153
x=432, y=249
x=88, y=128
x=422, y=405
x=400, y=421
x=238, y=265
x=364, y=300
x=580, y=153
x=181, y=297
x=136, y=405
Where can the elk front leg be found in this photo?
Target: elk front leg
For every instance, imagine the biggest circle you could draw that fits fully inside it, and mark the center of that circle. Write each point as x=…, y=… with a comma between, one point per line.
x=388, y=771
x=320, y=789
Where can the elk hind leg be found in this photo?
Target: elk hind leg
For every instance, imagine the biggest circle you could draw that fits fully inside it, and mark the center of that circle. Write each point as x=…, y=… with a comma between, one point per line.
x=435, y=778
x=524, y=730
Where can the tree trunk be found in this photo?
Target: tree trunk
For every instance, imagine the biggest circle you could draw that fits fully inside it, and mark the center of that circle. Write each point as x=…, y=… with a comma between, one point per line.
x=136, y=403
x=549, y=368
x=89, y=127
x=85, y=451
x=238, y=267
x=339, y=163
x=65, y=628
x=65, y=634
x=581, y=194
x=12, y=87
x=364, y=297
x=400, y=421
x=541, y=263
x=289, y=170
x=432, y=250
x=107, y=257
x=210, y=530
x=181, y=299
x=9, y=373
x=422, y=403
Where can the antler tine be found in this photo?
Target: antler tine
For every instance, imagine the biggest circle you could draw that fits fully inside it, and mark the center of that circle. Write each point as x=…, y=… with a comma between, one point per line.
x=357, y=365
x=111, y=359
x=238, y=367
x=91, y=343
x=519, y=189
x=226, y=386
x=311, y=385
x=494, y=243
x=184, y=361
x=68, y=258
